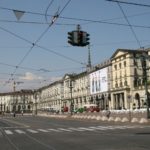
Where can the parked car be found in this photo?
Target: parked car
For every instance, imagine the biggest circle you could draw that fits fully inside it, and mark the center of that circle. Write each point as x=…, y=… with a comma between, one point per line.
x=92, y=108
x=65, y=109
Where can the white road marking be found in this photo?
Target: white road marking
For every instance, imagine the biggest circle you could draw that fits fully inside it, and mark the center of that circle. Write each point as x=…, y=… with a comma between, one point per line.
x=43, y=130
x=8, y=132
x=72, y=129
x=121, y=127
x=20, y=131
x=96, y=128
x=54, y=130
x=86, y=129
x=108, y=127
x=64, y=129
x=32, y=131
x=76, y=129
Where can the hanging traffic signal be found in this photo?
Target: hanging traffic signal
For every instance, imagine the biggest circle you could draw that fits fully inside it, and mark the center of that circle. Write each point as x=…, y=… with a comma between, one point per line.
x=70, y=38
x=73, y=38
x=87, y=39
x=78, y=37
x=83, y=38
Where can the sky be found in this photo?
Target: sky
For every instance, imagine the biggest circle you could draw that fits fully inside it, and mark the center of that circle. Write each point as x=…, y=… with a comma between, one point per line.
x=34, y=48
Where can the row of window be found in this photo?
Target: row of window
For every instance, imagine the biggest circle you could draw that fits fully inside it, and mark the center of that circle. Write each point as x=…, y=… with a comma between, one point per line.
x=138, y=82
x=120, y=65
x=121, y=84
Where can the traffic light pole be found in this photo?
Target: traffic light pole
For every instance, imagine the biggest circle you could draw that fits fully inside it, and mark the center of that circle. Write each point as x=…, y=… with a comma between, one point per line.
x=71, y=100
x=145, y=84
x=147, y=95
x=147, y=98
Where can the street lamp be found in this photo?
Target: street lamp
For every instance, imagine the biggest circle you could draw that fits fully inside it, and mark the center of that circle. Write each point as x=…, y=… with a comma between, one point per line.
x=129, y=102
x=145, y=68
x=71, y=101
x=35, y=95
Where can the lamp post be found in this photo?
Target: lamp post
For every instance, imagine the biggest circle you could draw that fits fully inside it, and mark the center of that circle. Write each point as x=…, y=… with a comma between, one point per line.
x=71, y=101
x=129, y=102
x=145, y=68
x=35, y=102
x=1, y=107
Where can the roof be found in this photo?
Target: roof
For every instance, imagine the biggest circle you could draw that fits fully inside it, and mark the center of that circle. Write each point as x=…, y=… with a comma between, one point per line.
x=128, y=51
x=17, y=92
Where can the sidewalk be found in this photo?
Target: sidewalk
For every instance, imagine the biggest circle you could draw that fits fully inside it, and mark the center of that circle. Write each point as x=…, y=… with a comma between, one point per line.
x=98, y=117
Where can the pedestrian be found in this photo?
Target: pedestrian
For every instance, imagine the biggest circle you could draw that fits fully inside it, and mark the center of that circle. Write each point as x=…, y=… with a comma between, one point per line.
x=22, y=112
x=108, y=113
x=14, y=114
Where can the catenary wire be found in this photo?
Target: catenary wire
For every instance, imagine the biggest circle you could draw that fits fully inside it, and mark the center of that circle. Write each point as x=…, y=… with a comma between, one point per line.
x=132, y=30
x=37, y=70
x=33, y=44
x=129, y=3
x=43, y=48
x=40, y=37
x=78, y=19
x=49, y=5
x=72, y=18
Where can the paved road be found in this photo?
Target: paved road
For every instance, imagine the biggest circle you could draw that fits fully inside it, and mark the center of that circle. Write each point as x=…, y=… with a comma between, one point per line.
x=39, y=133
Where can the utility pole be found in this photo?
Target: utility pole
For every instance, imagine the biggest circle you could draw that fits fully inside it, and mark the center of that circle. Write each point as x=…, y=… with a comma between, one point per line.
x=35, y=98
x=14, y=85
x=71, y=101
x=144, y=67
x=89, y=65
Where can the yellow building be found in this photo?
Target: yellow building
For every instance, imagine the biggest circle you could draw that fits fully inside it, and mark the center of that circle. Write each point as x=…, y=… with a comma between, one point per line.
x=121, y=82
x=128, y=85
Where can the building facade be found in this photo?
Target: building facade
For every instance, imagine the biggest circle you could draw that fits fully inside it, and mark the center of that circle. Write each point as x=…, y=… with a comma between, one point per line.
x=128, y=79
x=17, y=101
x=121, y=82
x=51, y=97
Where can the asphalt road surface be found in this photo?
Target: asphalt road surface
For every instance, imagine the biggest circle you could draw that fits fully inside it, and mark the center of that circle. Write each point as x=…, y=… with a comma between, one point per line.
x=41, y=133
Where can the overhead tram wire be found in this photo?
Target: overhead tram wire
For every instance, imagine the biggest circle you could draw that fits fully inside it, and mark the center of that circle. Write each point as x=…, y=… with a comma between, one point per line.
x=25, y=56
x=13, y=66
x=43, y=48
x=36, y=23
x=41, y=70
x=49, y=5
x=70, y=18
x=132, y=30
x=78, y=19
x=118, y=18
x=10, y=74
x=45, y=31
x=33, y=69
x=129, y=3
x=27, y=12
x=61, y=55
x=33, y=44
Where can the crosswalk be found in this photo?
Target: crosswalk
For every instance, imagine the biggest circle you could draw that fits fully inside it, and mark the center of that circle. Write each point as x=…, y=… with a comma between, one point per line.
x=22, y=131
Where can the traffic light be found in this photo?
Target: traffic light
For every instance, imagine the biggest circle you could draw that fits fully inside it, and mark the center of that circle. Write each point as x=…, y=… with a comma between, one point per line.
x=83, y=38
x=80, y=38
x=71, y=38
x=87, y=39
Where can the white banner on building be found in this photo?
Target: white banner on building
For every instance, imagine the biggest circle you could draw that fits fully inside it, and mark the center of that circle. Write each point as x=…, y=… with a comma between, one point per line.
x=99, y=81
